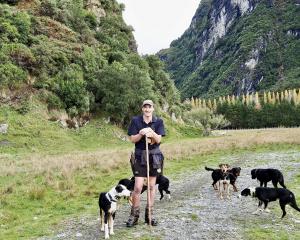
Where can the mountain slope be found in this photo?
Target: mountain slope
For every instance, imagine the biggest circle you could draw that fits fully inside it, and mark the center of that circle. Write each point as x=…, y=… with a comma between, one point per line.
x=237, y=46
x=79, y=56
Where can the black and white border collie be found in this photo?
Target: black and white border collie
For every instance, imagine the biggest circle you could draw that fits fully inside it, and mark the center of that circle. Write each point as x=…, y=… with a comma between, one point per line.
x=266, y=175
x=108, y=206
x=266, y=195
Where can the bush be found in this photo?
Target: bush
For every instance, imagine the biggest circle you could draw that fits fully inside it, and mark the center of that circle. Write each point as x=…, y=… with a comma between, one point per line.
x=48, y=8
x=20, y=54
x=205, y=119
x=71, y=88
x=13, y=2
x=120, y=89
x=11, y=75
x=54, y=102
x=24, y=107
x=8, y=32
x=91, y=20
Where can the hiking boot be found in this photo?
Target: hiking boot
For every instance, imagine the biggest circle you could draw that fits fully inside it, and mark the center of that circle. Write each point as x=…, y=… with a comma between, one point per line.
x=134, y=217
x=154, y=222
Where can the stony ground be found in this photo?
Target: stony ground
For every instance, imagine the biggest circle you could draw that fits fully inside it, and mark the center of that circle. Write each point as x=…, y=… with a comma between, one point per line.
x=196, y=212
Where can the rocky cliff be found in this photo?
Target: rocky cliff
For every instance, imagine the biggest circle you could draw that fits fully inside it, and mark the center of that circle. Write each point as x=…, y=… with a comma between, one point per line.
x=237, y=46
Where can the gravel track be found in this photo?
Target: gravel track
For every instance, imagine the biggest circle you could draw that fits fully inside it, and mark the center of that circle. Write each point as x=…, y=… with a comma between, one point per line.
x=195, y=211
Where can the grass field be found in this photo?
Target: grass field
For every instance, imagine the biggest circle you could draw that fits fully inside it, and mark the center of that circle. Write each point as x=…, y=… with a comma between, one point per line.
x=48, y=173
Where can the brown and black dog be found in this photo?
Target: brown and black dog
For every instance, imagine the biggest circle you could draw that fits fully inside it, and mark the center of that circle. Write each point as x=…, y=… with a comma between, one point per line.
x=218, y=174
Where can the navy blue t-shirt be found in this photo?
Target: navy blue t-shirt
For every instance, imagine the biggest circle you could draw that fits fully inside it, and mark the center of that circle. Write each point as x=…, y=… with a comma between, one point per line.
x=137, y=123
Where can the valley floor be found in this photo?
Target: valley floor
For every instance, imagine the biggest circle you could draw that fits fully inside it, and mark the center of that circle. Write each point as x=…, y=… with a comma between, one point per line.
x=195, y=211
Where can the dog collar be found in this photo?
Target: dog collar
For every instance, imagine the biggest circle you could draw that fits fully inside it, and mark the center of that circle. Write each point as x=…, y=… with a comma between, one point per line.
x=111, y=198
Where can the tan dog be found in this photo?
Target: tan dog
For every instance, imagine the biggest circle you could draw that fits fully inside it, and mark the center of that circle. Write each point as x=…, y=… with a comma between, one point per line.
x=224, y=186
x=217, y=174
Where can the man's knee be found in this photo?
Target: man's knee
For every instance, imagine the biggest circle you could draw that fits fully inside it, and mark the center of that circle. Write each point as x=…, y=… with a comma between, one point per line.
x=137, y=190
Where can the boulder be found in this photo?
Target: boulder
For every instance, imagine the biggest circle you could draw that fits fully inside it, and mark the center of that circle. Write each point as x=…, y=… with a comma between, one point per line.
x=3, y=128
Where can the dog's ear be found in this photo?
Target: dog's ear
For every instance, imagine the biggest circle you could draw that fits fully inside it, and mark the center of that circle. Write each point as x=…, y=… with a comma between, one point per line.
x=220, y=165
x=119, y=188
x=246, y=192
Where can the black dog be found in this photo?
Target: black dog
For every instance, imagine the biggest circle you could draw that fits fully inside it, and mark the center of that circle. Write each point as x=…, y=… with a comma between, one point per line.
x=266, y=195
x=234, y=173
x=266, y=175
x=108, y=205
x=218, y=174
x=162, y=181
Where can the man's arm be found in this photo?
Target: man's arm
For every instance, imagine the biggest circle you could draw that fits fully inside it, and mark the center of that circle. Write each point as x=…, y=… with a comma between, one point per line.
x=135, y=138
x=149, y=133
x=154, y=136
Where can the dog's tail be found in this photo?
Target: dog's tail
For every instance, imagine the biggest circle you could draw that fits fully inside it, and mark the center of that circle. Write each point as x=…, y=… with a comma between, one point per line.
x=293, y=203
x=281, y=181
x=209, y=169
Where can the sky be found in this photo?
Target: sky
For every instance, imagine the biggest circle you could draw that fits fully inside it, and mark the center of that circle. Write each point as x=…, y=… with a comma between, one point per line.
x=157, y=23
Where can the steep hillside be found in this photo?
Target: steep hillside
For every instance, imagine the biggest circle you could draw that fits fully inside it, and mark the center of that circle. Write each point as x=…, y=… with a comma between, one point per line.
x=77, y=56
x=237, y=46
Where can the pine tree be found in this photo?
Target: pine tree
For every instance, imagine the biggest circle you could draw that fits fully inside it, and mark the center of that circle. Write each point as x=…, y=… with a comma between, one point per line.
x=193, y=102
x=277, y=97
x=215, y=104
x=256, y=100
x=265, y=97
x=290, y=95
x=221, y=100
x=294, y=96
x=228, y=99
x=233, y=100
x=298, y=97
x=209, y=104
x=204, y=103
x=286, y=95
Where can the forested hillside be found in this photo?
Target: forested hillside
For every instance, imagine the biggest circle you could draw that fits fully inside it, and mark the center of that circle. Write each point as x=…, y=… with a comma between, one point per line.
x=78, y=56
x=237, y=47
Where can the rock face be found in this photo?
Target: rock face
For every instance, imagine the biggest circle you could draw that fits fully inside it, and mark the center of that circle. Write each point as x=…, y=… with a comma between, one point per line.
x=222, y=15
x=235, y=47
x=95, y=7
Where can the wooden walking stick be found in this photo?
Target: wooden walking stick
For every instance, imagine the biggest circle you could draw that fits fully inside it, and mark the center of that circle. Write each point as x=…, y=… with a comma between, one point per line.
x=148, y=181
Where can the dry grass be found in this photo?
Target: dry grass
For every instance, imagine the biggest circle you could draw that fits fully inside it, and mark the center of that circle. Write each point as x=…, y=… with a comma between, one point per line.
x=105, y=160
x=232, y=139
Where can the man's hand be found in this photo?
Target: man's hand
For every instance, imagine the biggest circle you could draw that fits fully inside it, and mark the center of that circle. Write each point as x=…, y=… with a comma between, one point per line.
x=146, y=131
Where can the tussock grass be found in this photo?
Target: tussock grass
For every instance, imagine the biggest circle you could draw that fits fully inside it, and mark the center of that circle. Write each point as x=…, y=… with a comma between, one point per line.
x=50, y=184
x=107, y=160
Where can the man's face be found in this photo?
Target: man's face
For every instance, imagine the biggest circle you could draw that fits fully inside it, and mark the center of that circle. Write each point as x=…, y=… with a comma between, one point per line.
x=147, y=110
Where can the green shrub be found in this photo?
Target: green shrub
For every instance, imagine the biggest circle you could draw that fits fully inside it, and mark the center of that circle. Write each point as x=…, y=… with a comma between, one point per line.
x=205, y=119
x=71, y=88
x=48, y=8
x=8, y=32
x=11, y=75
x=91, y=20
x=20, y=54
x=10, y=1
x=54, y=102
x=24, y=107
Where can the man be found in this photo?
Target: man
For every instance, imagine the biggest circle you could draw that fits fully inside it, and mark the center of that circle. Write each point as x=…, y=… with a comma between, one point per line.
x=152, y=128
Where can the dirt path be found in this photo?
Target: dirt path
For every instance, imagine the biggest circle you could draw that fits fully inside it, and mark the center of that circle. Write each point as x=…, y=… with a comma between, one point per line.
x=195, y=211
